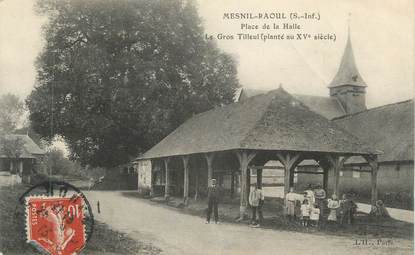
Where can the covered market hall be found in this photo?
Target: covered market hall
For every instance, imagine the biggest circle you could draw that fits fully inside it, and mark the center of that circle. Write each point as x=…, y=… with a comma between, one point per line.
x=236, y=139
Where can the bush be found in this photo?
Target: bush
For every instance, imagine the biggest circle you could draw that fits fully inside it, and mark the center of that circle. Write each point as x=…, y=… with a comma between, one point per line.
x=38, y=178
x=145, y=191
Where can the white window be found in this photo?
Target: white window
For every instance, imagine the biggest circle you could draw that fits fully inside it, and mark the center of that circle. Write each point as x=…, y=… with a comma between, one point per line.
x=341, y=173
x=356, y=174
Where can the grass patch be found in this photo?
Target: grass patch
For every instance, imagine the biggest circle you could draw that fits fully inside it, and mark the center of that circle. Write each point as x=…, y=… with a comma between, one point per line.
x=103, y=241
x=393, y=200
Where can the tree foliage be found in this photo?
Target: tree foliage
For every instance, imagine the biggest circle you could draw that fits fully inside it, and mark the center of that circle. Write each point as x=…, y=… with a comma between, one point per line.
x=11, y=112
x=124, y=74
x=57, y=163
x=11, y=146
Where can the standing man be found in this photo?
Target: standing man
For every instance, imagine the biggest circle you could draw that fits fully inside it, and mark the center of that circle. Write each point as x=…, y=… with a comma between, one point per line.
x=320, y=196
x=256, y=200
x=213, y=199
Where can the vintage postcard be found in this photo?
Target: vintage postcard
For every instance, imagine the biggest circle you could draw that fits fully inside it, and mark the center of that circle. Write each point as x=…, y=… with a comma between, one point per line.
x=207, y=127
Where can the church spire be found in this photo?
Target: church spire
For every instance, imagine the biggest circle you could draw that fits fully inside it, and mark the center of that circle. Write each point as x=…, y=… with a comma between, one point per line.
x=348, y=73
x=348, y=86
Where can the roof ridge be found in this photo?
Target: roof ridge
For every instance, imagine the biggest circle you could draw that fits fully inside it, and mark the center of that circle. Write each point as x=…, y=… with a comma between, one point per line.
x=232, y=104
x=374, y=108
x=310, y=95
x=259, y=122
x=260, y=116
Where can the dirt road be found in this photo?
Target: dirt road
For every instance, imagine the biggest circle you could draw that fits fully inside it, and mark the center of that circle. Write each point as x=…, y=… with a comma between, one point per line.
x=178, y=233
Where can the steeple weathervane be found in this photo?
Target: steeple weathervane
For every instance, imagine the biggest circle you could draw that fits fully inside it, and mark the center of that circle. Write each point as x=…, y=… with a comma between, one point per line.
x=348, y=24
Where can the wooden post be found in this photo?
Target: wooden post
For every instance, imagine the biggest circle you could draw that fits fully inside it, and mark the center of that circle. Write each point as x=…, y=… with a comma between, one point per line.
x=325, y=179
x=21, y=167
x=373, y=163
x=323, y=163
x=209, y=160
x=289, y=161
x=232, y=183
x=243, y=201
x=153, y=162
x=259, y=178
x=248, y=183
x=374, y=177
x=244, y=157
x=336, y=163
x=167, y=184
x=336, y=174
x=197, y=185
x=292, y=176
x=186, y=179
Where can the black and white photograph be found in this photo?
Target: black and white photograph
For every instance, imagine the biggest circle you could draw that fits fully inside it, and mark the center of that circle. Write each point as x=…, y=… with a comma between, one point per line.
x=196, y=127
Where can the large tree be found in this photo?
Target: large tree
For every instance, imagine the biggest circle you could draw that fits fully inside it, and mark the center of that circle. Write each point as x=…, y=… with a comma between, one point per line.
x=119, y=75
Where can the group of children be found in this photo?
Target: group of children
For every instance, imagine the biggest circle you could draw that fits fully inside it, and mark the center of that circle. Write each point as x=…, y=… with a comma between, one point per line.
x=310, y=214
x=311, y=207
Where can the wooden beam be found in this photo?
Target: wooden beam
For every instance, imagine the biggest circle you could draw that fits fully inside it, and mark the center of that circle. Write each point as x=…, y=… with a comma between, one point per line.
x=356, y=170
x=307, y=172
x=289, y=160
x=185, y=160
x=266, y=167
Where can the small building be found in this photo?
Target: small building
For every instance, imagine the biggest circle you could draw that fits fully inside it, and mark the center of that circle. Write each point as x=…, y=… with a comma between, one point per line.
x=18, y=157
x=144, y=173
x=121, y=177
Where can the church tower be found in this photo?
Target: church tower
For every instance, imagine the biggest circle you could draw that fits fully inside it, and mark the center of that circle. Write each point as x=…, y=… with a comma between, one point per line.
x=348, y=86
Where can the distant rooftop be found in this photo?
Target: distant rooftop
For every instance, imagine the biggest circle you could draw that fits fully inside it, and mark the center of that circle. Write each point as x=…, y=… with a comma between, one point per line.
x=389, y=128
x=30, y=148
x=328, y=107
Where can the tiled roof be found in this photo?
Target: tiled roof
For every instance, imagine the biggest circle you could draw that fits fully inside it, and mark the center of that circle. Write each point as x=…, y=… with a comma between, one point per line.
x=389, y=128
x=272, y=121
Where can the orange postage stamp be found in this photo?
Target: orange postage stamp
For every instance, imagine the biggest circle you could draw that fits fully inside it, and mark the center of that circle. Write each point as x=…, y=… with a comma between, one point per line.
x=55, y=224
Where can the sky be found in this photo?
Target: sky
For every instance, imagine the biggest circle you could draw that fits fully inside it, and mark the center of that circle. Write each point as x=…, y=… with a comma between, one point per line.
x=382, y=34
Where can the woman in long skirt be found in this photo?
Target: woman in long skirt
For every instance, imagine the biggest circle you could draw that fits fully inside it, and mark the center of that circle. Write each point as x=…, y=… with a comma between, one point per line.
x=333, y=204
